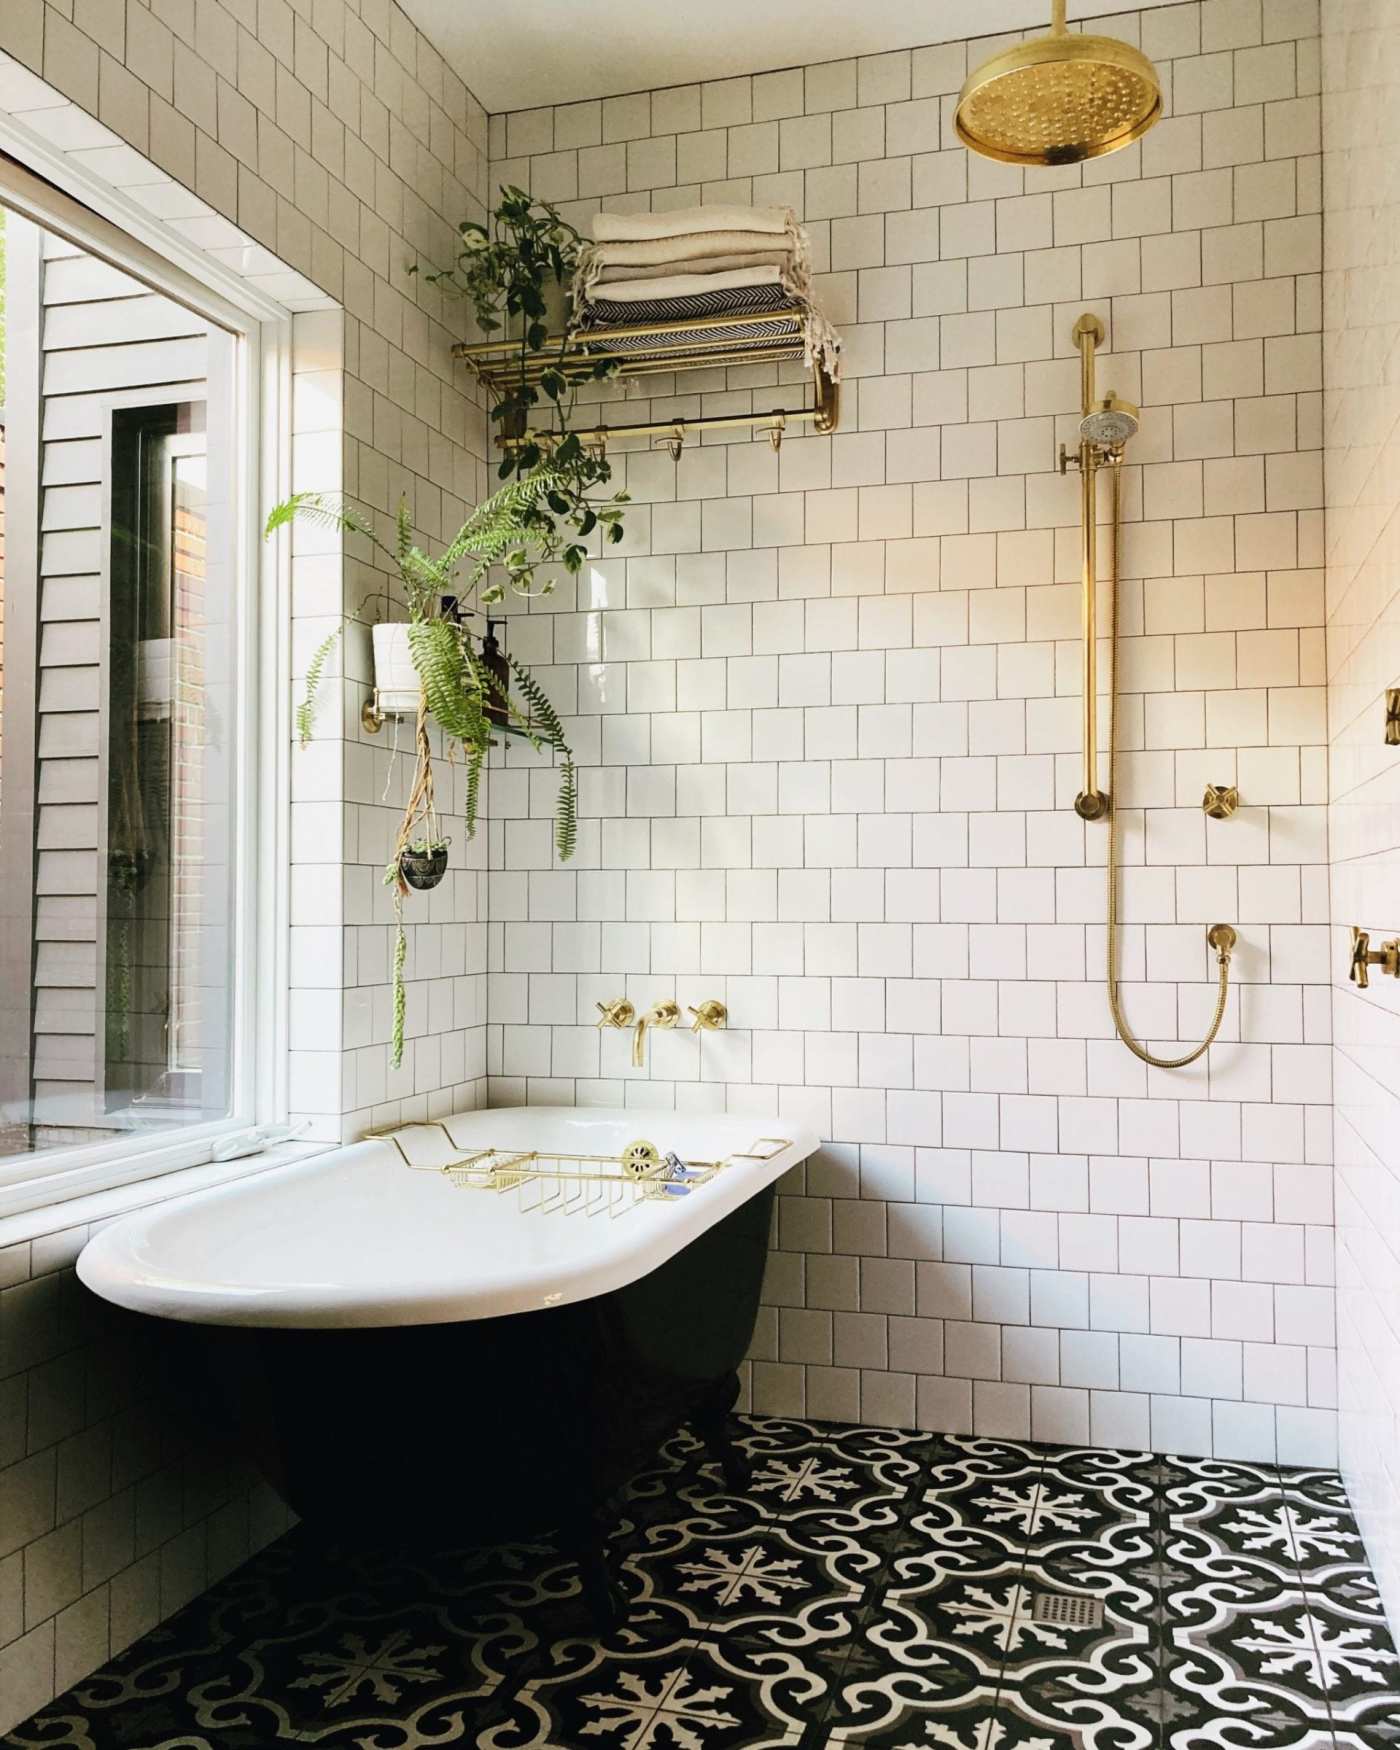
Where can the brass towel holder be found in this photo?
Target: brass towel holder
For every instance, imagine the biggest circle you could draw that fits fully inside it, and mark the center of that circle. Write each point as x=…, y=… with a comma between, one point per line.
x=654, y=349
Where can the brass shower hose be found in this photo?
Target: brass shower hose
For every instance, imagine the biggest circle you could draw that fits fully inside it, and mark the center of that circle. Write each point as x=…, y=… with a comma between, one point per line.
x=1221, y=937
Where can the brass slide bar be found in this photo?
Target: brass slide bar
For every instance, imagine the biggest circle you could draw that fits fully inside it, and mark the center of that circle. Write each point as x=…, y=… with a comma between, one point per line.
x=1090, y=803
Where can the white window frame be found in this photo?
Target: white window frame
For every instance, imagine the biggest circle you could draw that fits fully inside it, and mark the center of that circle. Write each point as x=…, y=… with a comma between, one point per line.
x=43, y=185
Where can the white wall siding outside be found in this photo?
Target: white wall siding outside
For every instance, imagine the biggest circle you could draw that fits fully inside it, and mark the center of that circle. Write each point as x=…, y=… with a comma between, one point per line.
x=827, y=703
x=1361, y=90
x=102, y=335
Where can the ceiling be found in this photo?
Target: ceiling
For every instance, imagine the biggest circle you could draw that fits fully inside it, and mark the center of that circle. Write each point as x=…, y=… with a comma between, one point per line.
x=531, y=52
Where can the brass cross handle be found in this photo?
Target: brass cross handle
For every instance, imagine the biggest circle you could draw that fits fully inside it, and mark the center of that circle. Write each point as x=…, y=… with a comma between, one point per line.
x=1363, y=957
x=618, y=1013
x=709, y=1015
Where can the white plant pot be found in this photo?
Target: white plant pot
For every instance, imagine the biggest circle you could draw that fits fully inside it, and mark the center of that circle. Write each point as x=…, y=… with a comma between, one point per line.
x=395, y=678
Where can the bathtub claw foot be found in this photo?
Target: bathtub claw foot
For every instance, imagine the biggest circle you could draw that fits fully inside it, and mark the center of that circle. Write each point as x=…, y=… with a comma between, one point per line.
x=715, y=1426
x=736, y=1470
x=605, y=1600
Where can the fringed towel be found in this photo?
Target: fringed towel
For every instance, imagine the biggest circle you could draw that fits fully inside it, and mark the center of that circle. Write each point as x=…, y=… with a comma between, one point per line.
x=699, y=349
x=647, y=227
x=610, y=275
x=697, y=251
x=683, y=288
x=700, y=262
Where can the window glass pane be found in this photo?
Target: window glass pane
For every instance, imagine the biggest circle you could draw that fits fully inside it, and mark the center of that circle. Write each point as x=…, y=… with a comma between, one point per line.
x=116, y=714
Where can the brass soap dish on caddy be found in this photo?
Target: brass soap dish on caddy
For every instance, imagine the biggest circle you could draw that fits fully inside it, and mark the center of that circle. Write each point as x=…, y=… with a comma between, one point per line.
x=552, y=1181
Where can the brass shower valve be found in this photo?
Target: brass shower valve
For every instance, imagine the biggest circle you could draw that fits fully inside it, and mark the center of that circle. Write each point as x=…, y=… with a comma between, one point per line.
x=709, y=1015
x=1364, y=957
x=1220, y=801
x=618, y=1013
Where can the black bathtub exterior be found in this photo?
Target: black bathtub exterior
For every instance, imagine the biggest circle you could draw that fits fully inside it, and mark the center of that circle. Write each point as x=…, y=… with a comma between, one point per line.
x=489, y=1430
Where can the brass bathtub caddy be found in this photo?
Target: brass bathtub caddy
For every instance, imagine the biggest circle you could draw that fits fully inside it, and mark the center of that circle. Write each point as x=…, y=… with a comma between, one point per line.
x=554, y=1182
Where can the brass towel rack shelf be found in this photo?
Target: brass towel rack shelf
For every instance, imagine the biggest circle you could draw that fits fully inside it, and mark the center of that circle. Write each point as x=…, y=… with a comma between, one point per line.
x=649, y=349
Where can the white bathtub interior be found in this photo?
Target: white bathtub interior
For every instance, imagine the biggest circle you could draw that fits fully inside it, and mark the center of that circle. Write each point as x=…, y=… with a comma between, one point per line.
x=355, y=1237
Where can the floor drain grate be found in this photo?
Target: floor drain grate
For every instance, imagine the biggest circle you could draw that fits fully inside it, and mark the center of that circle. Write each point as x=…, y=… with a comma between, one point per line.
x=1067, y=1610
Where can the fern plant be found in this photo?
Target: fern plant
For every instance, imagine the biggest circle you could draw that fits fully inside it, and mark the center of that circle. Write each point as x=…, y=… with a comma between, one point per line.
x=315, y=674
x=468, y=698
x=554, y=499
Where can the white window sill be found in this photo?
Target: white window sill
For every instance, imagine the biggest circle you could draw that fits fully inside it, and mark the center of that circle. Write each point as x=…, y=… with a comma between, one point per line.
x=79, y=1214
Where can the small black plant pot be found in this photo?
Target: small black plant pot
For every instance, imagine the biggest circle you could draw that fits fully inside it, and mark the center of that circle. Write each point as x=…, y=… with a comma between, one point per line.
x=423, y=866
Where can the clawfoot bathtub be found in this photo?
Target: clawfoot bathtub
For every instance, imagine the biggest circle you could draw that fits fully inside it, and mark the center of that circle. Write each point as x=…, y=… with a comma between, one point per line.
x=415, y=1356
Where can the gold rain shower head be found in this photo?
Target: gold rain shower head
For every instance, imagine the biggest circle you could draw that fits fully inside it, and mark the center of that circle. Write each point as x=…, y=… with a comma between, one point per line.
x=1058, y=99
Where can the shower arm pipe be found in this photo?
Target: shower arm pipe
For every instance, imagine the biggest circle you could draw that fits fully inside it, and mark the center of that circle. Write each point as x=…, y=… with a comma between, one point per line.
x=1090, y=803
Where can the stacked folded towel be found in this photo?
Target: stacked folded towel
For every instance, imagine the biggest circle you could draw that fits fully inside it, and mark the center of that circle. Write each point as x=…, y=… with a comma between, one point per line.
x=699, y=261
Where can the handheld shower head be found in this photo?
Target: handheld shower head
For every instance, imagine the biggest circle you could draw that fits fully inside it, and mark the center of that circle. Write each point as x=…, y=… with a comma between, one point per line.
x=1110, y=423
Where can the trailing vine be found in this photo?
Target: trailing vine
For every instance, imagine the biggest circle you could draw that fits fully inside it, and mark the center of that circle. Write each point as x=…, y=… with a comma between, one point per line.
x=506, y=270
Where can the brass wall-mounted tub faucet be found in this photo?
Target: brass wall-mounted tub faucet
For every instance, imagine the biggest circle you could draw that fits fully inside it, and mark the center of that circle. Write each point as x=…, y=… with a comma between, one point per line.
x=658, y=1015
x=621, y=1014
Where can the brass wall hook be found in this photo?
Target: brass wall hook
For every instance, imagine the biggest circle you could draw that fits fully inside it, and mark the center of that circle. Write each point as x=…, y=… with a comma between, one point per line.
x=776, y=430
x=673, y=441
x=1364, y=957
x=710, y=1014
x=1220, y=801
x=1392, y=716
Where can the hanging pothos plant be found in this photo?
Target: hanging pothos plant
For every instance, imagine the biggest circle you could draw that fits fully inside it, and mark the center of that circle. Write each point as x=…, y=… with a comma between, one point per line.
x=510, y=271
x=553, y=499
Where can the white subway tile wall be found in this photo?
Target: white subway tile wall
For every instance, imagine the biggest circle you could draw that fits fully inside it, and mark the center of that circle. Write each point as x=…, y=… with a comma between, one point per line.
x=826, y=700
x=321, y=153
x=1361, y=85
x=111, y=1514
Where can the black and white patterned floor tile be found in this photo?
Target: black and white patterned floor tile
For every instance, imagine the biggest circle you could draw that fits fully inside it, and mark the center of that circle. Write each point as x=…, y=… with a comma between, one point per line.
x=870, y=1588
